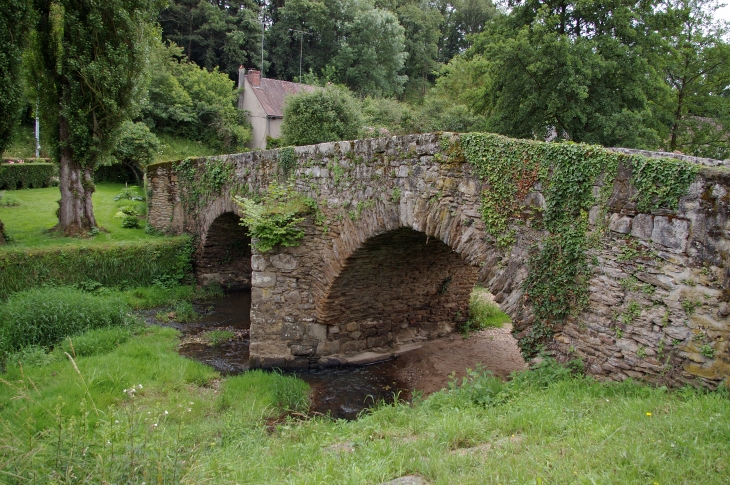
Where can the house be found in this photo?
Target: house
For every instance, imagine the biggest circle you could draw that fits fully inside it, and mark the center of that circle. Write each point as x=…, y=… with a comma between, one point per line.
x=263, y=100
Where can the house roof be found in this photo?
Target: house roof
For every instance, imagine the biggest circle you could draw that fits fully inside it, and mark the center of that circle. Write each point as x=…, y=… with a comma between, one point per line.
x=271, y=93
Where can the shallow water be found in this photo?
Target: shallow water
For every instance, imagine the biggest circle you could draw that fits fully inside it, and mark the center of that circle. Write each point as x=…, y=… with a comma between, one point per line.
x=341, y=392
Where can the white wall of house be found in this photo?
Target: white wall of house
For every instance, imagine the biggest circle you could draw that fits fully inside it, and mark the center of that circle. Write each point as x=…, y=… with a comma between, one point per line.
x=260, y=123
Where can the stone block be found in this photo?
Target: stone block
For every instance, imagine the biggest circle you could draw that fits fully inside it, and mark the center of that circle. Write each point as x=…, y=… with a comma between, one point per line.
x=302, y=350
x=642, y=226
x=292, y=331
x=258, y=262
x=670, y=232
x=263, y=279
x=284, y=262
x=620, y=224
x=317, y=331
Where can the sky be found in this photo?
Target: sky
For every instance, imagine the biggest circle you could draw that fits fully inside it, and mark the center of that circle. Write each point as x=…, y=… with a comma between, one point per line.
x=723, y=13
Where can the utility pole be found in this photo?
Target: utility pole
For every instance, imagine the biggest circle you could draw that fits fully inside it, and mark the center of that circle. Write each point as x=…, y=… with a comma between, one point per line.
x=301, y=38
x=262, y=48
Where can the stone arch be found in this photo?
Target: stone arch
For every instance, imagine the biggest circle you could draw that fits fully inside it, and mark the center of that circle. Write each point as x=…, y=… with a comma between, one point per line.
x=398, y=287
x=224, y=254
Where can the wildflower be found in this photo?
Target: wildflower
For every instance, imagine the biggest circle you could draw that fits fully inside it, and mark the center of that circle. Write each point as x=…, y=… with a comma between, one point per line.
x=166, y=413
x=116, y=421
x=139, y=386
x=190, y=410
x=648, y=414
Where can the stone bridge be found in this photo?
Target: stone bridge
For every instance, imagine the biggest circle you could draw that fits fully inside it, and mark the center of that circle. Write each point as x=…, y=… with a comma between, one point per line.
x=399, y=239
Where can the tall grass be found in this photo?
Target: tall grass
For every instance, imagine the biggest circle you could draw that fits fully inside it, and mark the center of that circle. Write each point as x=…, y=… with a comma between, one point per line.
x=45, y=316
x=483, y=312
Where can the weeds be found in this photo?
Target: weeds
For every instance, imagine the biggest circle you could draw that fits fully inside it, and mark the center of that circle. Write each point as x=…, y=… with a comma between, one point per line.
x=483, y=312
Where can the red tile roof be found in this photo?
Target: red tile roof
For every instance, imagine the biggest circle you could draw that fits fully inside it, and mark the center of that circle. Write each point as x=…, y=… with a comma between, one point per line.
x=272, y=92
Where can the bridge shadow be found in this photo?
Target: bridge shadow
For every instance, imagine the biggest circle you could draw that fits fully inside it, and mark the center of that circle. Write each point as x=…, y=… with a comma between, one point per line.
x=224, y=258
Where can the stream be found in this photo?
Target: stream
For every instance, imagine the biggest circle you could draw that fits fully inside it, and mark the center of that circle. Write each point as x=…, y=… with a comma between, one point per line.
x=341, y=392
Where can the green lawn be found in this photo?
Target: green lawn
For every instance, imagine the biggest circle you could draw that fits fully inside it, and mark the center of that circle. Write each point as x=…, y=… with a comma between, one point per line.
x=28, y=222
x=185, y=424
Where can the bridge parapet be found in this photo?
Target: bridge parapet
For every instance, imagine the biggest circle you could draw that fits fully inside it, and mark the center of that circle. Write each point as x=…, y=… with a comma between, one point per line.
x=400, y=239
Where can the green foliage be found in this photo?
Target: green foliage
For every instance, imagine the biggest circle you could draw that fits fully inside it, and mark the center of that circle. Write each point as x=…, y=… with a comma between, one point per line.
x=27, y=175
x=556, y=284
x=689, y=306
x=98, y=341
x=707, y=351
x=660, y=182
x=478, y=388
x=215, y=34
x=14, y=19
x=162, y=261
x=45, y=316
x=271, y=389
x=483, y=312
x=287, y=161
x=136, y=147
x=273, y=221
x=328, y=114
x=353, y=43
x=186, y=100
x=202, y=179
x=215, y=337
x=88, y=61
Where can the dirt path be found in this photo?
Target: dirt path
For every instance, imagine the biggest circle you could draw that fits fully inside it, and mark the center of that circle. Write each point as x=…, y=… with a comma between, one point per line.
x=428, y=368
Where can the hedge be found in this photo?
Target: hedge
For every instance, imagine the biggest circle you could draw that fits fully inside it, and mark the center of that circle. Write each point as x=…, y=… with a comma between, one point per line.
x=27, y=175
x=167, y=261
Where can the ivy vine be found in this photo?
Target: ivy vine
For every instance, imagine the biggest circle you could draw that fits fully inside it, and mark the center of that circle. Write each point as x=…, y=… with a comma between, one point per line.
x=202, y=179
x=566, y=174
x=287, y=161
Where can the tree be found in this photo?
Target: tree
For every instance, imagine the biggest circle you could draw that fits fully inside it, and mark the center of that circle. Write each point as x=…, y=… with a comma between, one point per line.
x=422, y=25
x=214, y=33
x=90, y=58
x=327, y=114
x=350, y=43
x=136, y=148
x=697, y=69
x=14, y=19
x=372, y=53
x=189, y=101
x=462, y=19
x=578, y=70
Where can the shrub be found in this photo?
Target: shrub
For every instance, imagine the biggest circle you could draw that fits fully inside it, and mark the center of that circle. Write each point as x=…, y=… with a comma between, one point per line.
x=44, y=316
x=136, y=147
x=328, y=114
x=274, y=220
x=27, y=175
x=165, y=262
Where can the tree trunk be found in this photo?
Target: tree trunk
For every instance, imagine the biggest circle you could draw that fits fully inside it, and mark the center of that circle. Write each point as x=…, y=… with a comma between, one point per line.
x=75, y=211
x=2, y=233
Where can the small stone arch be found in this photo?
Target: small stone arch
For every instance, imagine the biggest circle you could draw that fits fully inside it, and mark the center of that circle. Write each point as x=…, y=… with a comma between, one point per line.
x=224, y=254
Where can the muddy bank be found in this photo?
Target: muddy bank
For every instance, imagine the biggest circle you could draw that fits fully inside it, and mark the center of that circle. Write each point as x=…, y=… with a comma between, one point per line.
x=427, y=369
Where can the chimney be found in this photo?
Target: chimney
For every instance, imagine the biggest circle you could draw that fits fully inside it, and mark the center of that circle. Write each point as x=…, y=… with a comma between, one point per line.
x=254, y=77
x=241, y=74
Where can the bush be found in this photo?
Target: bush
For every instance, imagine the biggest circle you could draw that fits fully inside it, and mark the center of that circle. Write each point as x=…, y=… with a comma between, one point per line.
x=27, y=175
x=44, y=316
x=274, y=221
x=136, y=148
x=483, y=312
x=165, y=262
x=329, y=114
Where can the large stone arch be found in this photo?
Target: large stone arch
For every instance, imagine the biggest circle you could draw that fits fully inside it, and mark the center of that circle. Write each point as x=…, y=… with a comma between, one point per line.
x=398, y=287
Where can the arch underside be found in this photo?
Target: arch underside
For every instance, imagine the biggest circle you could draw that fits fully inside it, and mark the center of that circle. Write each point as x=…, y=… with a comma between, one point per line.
x=398, y=287
x=225, y=256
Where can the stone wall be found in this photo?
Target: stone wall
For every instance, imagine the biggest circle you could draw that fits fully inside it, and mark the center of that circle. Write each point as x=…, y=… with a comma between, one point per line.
x=658, y=306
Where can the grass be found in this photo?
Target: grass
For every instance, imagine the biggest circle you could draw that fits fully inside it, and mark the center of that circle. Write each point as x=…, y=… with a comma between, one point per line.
x=177, y=148
x=483, y=312
x=28, y=221
x=183, y=423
